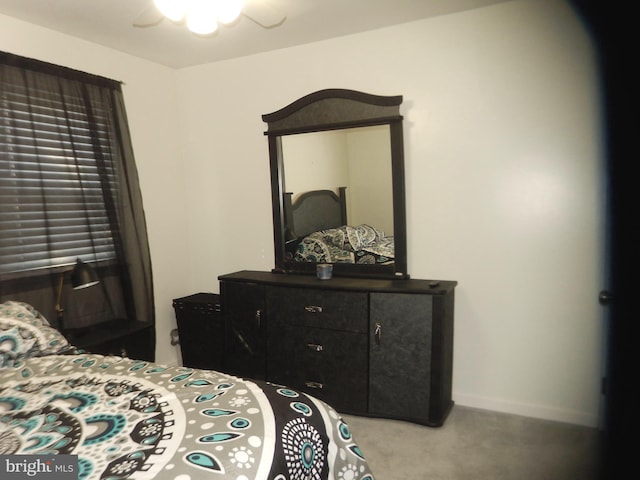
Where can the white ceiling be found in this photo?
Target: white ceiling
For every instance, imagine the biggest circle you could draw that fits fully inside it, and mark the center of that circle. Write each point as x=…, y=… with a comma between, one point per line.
x=110, y=23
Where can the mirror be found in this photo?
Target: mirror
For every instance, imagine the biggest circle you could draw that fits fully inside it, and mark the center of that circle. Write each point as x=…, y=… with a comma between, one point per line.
x=337, y=176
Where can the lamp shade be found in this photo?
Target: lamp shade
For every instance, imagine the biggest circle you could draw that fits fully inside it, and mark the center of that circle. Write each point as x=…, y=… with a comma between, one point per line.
x=83, y=276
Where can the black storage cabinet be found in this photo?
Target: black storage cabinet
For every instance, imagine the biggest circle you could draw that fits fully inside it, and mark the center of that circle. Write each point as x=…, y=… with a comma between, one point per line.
x=201, y=330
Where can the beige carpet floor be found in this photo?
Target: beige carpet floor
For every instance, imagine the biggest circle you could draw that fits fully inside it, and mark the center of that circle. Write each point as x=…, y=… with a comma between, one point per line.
x=478, y=444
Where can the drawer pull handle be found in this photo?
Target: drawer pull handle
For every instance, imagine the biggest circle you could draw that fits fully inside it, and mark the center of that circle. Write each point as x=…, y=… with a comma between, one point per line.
x=378, y=333
x=313, y=308
x=314, y=385
x=315, y=347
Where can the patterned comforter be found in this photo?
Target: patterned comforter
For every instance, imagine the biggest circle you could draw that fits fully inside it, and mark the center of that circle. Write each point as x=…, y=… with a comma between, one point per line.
x=131, y=419
x=362, y=244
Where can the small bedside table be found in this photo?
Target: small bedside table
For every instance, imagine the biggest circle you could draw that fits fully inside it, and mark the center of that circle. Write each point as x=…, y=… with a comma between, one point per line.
x=117, y=337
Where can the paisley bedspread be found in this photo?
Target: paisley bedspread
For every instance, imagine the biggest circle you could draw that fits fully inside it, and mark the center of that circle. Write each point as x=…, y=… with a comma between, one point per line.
x=132, y=419
x=362, y=244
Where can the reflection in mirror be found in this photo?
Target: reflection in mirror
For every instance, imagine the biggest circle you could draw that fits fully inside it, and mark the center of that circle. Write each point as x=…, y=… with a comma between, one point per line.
x=358, y=160
x=337, y=176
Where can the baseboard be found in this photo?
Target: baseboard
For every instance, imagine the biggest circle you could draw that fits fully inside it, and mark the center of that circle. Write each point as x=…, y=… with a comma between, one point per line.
x=528, y=410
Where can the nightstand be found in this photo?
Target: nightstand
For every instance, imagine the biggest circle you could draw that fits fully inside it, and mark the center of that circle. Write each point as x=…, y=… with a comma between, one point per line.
x=117, y=337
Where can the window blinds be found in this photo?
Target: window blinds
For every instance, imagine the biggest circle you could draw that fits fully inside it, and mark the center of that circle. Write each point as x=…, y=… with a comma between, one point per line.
x=55, y=157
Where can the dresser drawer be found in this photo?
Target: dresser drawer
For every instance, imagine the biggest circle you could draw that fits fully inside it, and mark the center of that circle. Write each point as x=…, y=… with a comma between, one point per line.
x=327, y=364
x=336, y=310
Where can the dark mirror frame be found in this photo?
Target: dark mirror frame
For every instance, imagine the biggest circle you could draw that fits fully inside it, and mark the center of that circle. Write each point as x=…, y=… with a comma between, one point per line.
x=334, y=109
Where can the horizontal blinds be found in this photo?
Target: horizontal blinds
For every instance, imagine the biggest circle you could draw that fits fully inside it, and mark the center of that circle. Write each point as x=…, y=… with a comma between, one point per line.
x=52, y=207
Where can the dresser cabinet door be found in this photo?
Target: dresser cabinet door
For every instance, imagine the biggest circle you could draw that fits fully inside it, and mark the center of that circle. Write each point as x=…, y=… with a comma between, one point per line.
x=245, y=326
x=400, y=355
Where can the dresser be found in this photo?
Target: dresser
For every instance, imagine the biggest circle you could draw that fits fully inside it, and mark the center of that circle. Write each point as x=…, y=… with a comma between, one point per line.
x=371, y=347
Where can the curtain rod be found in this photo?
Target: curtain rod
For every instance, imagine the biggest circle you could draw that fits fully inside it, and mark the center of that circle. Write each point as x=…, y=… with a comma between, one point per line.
x=14, y=60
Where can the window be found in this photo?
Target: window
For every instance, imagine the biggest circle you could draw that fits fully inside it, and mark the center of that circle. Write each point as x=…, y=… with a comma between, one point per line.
x=52, y=206
x=69, y=190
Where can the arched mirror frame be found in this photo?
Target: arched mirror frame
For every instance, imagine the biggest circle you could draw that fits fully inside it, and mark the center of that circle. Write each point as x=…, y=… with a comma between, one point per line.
x=335, y=109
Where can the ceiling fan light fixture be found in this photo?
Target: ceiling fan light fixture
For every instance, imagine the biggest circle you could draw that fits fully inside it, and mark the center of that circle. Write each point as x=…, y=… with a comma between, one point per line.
x=174, y=10
x=202, y=16
x=229, y=10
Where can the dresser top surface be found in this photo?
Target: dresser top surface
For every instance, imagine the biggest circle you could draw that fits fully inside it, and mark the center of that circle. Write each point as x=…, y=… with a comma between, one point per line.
x=433, y=287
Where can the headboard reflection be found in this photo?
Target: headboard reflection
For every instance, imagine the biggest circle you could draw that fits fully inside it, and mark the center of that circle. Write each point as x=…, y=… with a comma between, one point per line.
x=317, y=231
x=313, y=211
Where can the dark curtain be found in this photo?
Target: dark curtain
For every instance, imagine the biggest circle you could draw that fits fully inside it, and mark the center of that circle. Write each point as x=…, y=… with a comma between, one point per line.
x=69, y=190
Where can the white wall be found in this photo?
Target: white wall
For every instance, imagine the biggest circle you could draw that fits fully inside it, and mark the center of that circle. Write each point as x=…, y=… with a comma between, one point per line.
x=502, y=142
x=502, y=145
x=315, y=160
x=150, y=96
x=370, y=194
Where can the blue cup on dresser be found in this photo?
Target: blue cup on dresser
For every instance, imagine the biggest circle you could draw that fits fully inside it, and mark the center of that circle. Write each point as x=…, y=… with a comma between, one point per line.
x=324, y=271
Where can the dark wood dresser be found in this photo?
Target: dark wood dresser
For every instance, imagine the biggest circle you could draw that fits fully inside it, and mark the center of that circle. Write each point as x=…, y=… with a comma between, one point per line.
x=366, y=346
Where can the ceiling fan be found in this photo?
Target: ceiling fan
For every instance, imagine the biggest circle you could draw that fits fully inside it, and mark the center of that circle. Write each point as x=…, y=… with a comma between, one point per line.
x=202, y=16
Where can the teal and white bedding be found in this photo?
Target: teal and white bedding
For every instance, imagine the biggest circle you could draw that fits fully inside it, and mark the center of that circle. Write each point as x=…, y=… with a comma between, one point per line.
x=125, y=418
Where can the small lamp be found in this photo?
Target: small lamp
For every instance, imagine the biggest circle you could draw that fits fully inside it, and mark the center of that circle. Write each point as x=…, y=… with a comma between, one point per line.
x=82, y=276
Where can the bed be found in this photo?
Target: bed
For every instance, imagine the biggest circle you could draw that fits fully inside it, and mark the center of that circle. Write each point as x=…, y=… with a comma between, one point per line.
x=316, y=230
x=125, y=418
